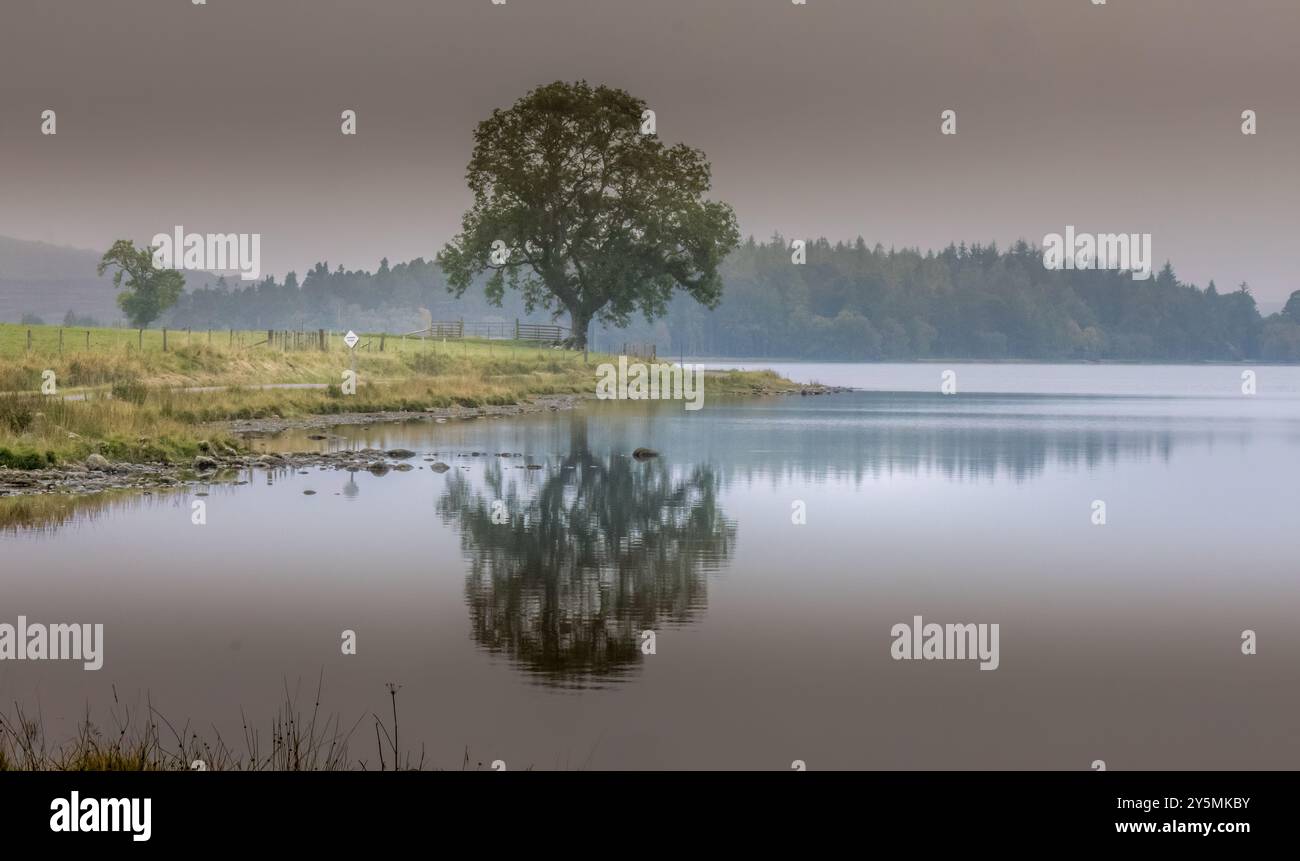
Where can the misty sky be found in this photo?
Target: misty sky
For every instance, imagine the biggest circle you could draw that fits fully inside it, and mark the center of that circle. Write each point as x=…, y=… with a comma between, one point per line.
x=819, y=120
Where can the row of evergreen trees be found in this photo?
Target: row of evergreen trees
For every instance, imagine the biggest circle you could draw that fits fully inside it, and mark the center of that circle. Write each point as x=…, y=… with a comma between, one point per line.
x=849, y=301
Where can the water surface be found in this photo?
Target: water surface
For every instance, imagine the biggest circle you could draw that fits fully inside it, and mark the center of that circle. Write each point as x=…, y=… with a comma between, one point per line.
x=522, y=640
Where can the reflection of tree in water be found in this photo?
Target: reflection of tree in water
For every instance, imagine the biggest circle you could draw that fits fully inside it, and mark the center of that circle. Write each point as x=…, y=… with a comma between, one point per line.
x=595, y=551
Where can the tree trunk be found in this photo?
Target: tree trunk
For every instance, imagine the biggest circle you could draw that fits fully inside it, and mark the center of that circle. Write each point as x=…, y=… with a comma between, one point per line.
x=579, y=324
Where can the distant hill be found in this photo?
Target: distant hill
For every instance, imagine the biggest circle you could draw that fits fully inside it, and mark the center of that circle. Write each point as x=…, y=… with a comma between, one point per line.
x=25, y=259
x=50, y=280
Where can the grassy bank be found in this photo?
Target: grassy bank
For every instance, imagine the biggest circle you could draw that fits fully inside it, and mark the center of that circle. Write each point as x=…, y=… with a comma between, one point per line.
x=120, y=394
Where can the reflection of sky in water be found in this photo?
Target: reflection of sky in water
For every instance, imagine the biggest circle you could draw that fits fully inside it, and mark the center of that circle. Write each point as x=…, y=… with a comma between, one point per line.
x=967, y=508
x=1273, y=382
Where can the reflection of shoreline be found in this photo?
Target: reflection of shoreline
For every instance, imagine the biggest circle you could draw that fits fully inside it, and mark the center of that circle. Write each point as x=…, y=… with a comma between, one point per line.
x=870, y=435
x=48, y=512
x=597, y=551
x=953, y=453
x=859, y=437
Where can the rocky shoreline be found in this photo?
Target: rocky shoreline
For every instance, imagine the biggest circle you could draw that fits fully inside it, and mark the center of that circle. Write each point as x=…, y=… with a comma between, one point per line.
x=275, y=424
x=98, y=475
x=223, y=464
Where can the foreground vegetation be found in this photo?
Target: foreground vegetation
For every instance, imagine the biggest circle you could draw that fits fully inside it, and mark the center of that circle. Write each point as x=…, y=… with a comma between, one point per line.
x=140, y=738
x=140, y=405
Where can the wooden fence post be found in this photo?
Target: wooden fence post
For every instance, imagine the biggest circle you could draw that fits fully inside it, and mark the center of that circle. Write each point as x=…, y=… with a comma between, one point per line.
x=29, y=340
x=164, y=339
x=87, y=339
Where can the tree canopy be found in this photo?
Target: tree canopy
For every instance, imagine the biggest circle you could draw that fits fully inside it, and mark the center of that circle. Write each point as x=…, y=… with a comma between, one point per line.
x=582, y=210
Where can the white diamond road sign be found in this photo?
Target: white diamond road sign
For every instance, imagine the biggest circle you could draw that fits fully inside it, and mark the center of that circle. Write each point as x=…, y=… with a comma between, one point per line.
x=351, y=339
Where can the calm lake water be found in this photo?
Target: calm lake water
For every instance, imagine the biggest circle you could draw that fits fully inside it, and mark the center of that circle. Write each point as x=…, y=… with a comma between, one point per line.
x=522, y=641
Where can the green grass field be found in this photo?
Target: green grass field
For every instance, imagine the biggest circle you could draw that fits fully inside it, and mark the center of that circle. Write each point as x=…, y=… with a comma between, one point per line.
x=18, y=340
x=129, y=399
x=223, y=356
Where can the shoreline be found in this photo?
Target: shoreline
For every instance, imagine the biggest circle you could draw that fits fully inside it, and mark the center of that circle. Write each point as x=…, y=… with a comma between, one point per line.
x=272, y=425
x=218, y=463
x=139, y=402
x=720, y=362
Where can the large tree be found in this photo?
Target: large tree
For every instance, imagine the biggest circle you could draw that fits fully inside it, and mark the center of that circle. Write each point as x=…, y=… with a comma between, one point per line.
x=148, y=291
x=581, y=209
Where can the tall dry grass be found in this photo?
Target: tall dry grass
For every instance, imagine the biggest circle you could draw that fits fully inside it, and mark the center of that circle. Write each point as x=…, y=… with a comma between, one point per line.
x=138, y=406
x=140, y=738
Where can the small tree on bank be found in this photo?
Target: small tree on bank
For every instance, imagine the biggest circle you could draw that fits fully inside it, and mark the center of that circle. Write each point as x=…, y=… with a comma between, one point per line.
x=579, y=210
x=148, y=291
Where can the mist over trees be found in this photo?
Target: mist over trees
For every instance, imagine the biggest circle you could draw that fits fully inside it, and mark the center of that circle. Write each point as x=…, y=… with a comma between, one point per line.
x=850, y=301
x=393, y=299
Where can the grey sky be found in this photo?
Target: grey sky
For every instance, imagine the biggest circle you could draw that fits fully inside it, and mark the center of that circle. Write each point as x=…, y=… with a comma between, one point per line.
x=820, y=119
